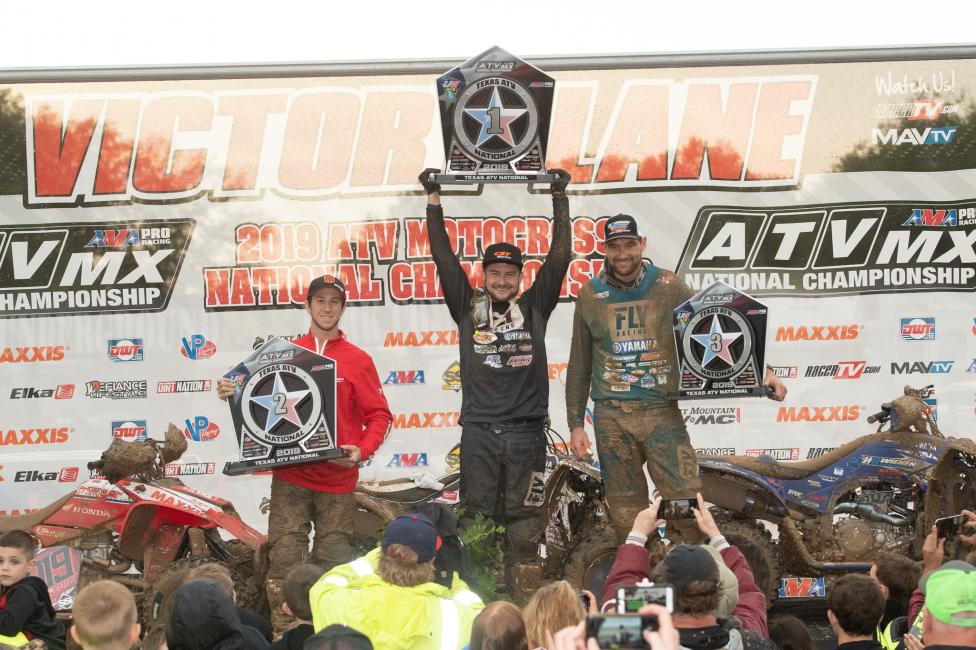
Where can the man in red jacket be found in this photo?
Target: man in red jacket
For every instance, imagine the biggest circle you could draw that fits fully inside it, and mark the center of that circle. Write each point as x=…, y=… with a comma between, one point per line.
x=695, y=577
x=323, y=492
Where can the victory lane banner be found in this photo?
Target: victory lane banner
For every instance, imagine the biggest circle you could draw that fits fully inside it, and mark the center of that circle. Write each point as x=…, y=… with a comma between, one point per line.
x=284, y=410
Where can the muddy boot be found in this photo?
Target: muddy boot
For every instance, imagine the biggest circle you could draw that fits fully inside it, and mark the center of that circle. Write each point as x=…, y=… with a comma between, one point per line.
x=523, y=580
x=280, y=621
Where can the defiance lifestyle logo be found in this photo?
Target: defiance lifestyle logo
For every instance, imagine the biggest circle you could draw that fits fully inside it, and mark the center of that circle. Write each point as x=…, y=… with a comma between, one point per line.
x=104, y=268
x=836, y=249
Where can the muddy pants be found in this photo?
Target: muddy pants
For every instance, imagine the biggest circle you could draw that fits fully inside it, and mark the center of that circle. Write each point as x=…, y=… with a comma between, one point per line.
x=293, y=511
x=630, y=433
x=502, y=467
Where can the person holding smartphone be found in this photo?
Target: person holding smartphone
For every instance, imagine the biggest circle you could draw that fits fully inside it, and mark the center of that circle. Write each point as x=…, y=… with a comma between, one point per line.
x=693, y=573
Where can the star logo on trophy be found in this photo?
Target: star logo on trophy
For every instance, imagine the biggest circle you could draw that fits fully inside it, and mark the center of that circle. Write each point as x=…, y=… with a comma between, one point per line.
x=495, y=120
x=717, y=343
x=281, y=404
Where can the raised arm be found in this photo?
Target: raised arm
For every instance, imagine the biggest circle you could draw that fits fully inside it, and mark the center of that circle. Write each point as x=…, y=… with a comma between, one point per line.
x=549, y=281
x=454, y=282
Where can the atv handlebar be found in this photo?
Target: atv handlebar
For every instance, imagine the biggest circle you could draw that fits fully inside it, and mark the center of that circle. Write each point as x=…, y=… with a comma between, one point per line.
x=881, y=416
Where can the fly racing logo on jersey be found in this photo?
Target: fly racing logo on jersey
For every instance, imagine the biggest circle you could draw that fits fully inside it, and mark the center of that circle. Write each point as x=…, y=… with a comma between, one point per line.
x=918, y=329
x=84, y=268
x=834, y=249
x=931, y=135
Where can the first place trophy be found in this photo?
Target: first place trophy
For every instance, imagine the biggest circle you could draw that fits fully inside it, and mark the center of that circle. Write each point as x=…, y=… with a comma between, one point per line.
x=495, y=112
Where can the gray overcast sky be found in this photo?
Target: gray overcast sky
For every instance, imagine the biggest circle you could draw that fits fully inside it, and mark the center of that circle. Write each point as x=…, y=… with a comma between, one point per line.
x=58, y=33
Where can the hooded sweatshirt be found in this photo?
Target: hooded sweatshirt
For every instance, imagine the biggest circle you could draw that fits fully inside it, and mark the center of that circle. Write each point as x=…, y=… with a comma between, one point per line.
x=26, y=607
x=204, y=618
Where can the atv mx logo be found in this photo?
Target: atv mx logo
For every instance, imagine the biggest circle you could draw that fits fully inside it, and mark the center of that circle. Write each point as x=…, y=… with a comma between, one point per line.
x=53, y=270
x=833, y=249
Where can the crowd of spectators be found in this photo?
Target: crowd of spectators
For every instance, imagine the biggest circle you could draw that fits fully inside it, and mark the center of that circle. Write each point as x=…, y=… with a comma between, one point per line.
x=389, y=599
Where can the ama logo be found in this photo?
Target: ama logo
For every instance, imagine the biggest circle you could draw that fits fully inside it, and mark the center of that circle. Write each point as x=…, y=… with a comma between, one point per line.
x=125, y=350
x=929, y=217
x=802, y=588
x=408, y=460
x=196, y=347
x=114, y=239
x=131, y=430
x=200, y=429
x=404, y=377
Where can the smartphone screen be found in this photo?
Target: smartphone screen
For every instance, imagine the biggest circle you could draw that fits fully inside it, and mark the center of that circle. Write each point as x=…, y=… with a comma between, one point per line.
x=947, y=526
x=632, y=597
x=620, y=630
x=677, y=509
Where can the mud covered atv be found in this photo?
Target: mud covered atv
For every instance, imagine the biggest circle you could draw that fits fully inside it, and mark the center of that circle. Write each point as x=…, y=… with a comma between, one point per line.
x=130, y=524
x=882, y=491
x=576, y=540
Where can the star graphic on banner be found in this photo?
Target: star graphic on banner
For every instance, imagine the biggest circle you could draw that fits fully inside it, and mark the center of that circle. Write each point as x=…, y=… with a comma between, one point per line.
x=501, y=120
x=716, y=338
x=281, y=404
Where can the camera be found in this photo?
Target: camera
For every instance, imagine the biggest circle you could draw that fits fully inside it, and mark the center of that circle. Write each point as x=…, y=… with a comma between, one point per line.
x=620, y=630
x=631, y=598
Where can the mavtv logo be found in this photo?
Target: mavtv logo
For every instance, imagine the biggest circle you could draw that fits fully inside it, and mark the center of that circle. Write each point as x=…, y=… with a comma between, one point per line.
x=921, y=367
x=931, y=135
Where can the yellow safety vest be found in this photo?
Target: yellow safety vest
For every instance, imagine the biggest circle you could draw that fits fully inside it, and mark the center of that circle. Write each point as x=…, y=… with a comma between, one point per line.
x=15, y=641
x=426, y=617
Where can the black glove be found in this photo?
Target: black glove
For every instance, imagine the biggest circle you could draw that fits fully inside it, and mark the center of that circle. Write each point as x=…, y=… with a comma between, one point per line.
x=429, y=185
x=561, y=180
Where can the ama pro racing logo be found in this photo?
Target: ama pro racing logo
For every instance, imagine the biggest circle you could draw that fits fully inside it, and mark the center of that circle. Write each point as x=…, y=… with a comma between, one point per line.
x=837, y=249
x=103, y=268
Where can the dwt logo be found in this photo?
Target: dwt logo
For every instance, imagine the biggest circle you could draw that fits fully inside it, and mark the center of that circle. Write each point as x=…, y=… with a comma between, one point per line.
x=125, y=350
x=918, y=329
x=404, y=377
x=931, y=135
x=416, y=459
x=921, y=367
x=130, y=430
x=200, y=429
x=197, y=347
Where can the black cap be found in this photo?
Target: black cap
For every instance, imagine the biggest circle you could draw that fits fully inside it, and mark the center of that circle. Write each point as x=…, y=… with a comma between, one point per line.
x=325, y=282
x=502, y=252
x=619, y=227
x=687, y=563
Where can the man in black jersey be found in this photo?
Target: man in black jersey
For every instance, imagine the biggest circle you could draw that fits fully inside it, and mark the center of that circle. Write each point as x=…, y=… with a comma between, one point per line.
x=504, y=371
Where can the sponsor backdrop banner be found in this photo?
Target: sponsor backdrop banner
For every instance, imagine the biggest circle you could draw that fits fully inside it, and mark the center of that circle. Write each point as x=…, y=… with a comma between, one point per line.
x=154, y=233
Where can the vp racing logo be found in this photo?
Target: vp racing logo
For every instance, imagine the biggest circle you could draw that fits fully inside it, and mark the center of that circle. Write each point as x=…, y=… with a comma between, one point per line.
x=835, y=249
x=83, y=268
